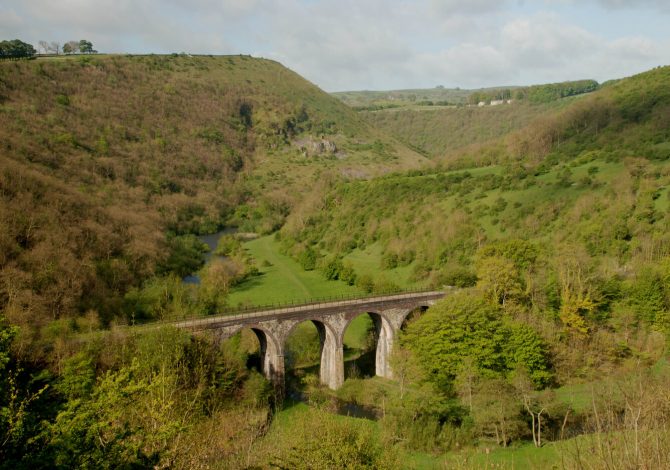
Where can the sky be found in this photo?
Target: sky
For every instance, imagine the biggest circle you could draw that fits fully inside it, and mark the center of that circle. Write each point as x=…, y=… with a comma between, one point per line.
x=374, y=44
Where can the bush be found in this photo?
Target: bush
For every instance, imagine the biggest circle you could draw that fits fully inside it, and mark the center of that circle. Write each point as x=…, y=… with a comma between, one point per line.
x=331, y=268
x=385, y=286
x=365, y=283
x=389, y=261
x=227, y=245
x=348, y=274
x=322, y=440
x=456, y=276
x=308, y=259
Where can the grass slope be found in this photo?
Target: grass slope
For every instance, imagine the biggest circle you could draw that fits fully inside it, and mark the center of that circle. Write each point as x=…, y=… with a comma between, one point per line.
x=282, y=279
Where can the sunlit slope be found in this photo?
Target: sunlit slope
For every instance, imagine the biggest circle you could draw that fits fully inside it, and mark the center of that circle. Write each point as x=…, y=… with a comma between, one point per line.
x=593, y=175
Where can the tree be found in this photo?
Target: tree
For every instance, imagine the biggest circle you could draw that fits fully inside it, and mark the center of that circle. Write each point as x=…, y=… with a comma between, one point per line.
x=536, y=404
x=496, y=411
x=44, y=46
x=575, y=284
x=322, y=441
x=498, y=279
x=405, y=368
x=16, y=416
x=464, y=336
x=54, y=47
x=16, y=49
x=86, y=47
x=462, y=325
x=467, y=381
x=71, y=47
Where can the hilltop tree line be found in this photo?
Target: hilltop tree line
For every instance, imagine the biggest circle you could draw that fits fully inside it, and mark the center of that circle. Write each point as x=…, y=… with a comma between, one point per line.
x=17, y=49
x=537, y=93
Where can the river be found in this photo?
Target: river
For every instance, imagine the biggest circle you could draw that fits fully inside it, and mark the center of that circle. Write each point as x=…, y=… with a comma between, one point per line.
x=211, y=240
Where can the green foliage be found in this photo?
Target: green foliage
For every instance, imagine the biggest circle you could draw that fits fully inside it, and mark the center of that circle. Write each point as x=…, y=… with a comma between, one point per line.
x=186, y=255
x=647, y=295
x=227, y=246
x=332, y=268
x=554, y=91
x=86, y=47
x=303, y=347
x=20, y=397
x=348, y=274
x=465, y=326
x=16, y=49
x=77, y=380
x=7, y=334
x=498, y=279
x=322, y=441
x=520, y=252
x=103, y=431
x=496, y=412
x=63, y=100
x=383, y=285
x=456, y=276
x=159, y=298
x=308, y=259
x=365, y=282
x=525, y=348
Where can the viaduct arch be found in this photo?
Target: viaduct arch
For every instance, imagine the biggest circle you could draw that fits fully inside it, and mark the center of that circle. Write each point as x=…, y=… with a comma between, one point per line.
x=273, y=327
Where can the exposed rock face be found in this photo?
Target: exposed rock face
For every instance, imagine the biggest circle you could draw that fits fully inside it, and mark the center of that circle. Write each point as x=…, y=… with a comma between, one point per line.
x=324, y=146
x=313, y=147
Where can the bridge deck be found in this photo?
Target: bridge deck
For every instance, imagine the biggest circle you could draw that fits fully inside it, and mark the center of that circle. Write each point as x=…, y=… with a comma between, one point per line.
x=358, y=305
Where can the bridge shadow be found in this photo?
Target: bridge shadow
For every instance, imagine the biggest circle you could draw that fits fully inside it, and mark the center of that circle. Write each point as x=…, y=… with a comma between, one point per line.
x=359, y=365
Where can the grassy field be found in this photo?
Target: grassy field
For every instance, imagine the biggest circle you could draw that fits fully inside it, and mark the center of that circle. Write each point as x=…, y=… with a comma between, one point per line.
x=368, y=262
x=282, y=279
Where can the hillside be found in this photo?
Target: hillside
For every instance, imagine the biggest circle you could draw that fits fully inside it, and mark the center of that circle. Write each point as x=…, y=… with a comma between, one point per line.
x=628, y=117
x=107, y=163
x=526, y=185
x=437, y=130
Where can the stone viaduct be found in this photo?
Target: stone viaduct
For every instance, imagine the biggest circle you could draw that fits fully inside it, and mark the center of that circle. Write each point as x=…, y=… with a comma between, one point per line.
x=273, y=327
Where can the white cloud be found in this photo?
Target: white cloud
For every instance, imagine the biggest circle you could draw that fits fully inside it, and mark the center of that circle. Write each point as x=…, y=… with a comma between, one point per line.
x=544, y=42
x=374, y=44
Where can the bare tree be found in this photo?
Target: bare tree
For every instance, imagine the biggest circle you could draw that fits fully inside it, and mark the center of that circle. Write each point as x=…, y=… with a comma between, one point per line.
x=54, y=47
x=71, y=47
x=44, y=46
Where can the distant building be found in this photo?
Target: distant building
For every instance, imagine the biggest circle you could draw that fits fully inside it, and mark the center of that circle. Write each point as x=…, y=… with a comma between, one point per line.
x=497, y=102
x=481, y=103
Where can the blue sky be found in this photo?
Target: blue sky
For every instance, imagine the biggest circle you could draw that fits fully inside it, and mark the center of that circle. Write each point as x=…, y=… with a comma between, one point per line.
x=374, y=44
